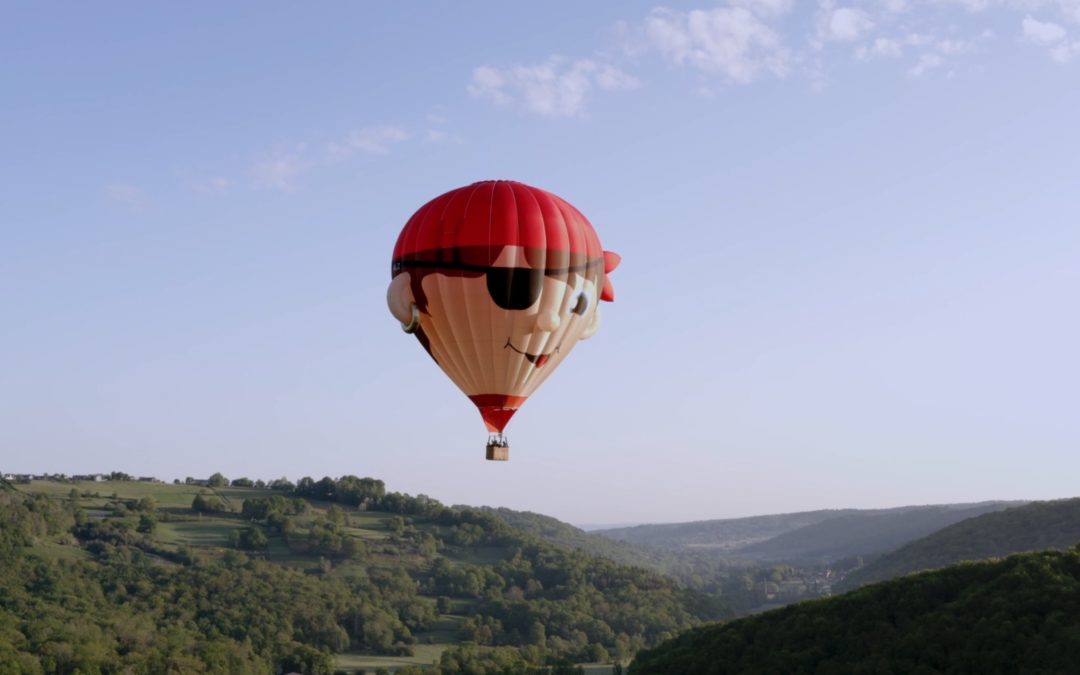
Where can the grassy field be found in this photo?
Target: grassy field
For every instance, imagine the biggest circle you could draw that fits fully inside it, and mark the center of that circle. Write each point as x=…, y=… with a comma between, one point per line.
x=424, y=655
x=206, y=531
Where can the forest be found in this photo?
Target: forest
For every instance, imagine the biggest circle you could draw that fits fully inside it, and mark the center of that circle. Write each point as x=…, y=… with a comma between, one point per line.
x=1034, y=526
x=1017, y=615
x=342, y=575
x=92, y=582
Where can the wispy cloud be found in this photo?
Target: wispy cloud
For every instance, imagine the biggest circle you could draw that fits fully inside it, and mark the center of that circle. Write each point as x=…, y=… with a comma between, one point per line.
x=970, y=5
x=925, y=64
x=880, y=48
x=555, y=88
x=1042, y=32
x=127, y=195
x=1051, y=35
x=279, y=169
x=1065, y=52
x=215, y=185
x=742, y=41
x=734, y=42
x=282, y=167
x=376, y=140
x=766, y=8
x=436, y=131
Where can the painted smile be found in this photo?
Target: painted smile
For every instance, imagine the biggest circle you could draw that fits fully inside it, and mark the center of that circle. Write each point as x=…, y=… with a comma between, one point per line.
x=535, y=359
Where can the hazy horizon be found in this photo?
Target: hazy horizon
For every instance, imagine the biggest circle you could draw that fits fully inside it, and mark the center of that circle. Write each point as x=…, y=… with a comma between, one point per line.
x=848, y=233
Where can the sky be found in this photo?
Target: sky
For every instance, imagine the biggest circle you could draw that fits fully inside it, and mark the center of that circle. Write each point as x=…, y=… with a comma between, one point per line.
x=851, y=251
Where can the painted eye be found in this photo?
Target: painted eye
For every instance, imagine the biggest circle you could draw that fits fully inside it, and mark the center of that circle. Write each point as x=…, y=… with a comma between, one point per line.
x=581, y=305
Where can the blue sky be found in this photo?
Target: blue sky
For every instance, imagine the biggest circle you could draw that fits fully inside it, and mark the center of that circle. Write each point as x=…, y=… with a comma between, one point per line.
x=851, y=257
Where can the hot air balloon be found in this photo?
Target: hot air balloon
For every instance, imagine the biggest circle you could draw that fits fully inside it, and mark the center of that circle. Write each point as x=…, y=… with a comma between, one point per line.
x=498, y=281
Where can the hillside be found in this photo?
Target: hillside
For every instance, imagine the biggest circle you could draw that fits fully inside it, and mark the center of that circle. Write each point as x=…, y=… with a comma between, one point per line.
x=1035, y=526
x=807, y=538
x=862, y=533
x=1018, y=615
x=318, y=576
x=726, y=534
x=563, y=534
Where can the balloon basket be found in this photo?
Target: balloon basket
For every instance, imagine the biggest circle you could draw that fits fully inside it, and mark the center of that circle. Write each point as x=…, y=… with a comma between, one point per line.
x=498, y=449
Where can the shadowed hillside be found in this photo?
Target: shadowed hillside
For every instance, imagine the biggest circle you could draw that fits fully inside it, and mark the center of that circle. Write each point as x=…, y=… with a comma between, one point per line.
x=723, y=535
x=1018, y=615
x=1032, y=527
x=808, y=538
x=863, y=533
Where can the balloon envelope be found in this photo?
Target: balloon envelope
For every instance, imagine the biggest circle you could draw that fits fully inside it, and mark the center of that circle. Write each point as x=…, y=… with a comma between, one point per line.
x=505, y=279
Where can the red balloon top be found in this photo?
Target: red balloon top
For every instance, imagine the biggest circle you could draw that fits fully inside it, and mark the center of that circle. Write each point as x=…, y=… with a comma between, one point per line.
x=489, y=215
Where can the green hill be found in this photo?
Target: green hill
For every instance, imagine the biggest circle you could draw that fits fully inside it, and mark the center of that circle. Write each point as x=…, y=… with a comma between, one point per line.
x=806, y=538
x=727, y=534
x=862, y=533
x=318, y=576
x=1018, y=615
x=1035, y=526
x=565, y=535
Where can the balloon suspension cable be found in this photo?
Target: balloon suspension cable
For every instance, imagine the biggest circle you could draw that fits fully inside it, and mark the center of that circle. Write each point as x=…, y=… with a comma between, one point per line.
x=498, y=440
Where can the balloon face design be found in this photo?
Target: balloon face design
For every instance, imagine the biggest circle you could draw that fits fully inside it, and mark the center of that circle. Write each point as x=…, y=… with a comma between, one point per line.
x=499, y=281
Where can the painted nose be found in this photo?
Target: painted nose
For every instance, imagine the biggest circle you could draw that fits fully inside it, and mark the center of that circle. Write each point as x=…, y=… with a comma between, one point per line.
x=548, y=321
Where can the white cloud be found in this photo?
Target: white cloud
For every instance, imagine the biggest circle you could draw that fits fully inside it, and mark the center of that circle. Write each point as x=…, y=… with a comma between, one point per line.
x=1064, y=52
x=766, y=8
x=955, y=47
x=217, y=184
x=1042, y=32
x=556, y=88
x=126, y=194
x=730, y=41
x=488, y=82
x=745, y=40
x=845, y=24
x=1070, y=9
x=881, y=48
x=279, y=170
x=375, y=140
x=926, y=63
x=970, y=5
x=440, y=136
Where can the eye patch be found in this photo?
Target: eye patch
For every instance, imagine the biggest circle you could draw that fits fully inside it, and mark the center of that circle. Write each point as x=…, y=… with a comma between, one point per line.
x=514, y=287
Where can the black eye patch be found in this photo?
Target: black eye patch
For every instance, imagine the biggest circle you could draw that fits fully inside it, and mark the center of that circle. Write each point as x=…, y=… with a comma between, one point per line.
x=514, y=287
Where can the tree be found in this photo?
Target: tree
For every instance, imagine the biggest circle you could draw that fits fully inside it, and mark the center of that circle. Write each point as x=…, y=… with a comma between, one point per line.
x=335, y=514
x=147, y=524
x=304, y=659
x=282, y=485
x=249, y=539
x=217, y=480
x=207, y=504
